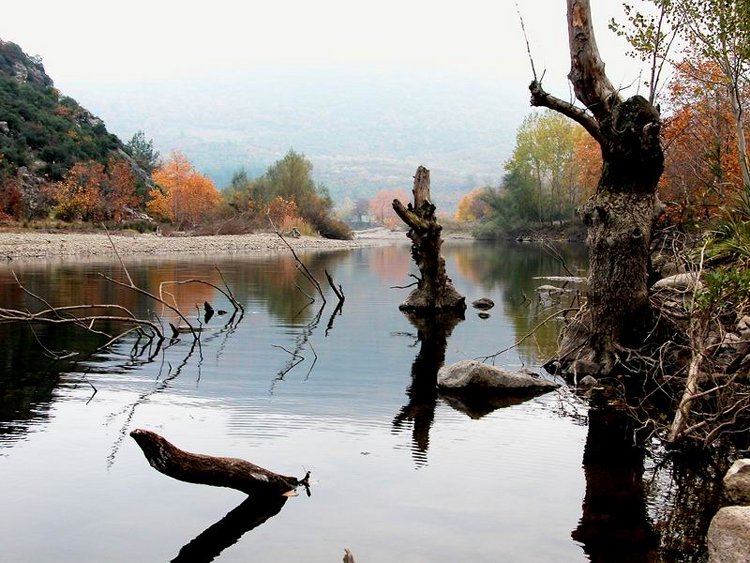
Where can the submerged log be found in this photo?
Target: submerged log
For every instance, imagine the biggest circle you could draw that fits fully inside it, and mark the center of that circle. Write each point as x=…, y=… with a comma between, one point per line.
x=434, y=291
x=209, y=470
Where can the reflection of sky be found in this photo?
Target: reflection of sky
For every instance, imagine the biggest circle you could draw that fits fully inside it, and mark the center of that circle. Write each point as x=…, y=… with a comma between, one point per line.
x=505, y=487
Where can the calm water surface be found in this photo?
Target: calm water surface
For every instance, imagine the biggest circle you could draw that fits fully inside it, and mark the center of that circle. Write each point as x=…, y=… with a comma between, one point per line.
x=399, y=473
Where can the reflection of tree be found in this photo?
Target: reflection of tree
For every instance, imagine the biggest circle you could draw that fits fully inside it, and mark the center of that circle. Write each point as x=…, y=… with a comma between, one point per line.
x=274, y=282
x=432, y=332
x=250, y=514
x=512, y=268
x=28, y=376
x=391, y=263
x=684, y=495
x=614, y=526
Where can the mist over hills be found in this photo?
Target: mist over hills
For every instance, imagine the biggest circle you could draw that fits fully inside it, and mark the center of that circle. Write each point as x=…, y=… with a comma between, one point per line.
x=363, y=130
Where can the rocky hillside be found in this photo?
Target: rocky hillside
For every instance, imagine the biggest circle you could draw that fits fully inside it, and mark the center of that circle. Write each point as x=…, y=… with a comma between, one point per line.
x=43, y=133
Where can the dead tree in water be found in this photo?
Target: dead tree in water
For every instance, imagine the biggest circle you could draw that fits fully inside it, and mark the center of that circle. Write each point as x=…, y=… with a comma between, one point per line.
x=434, y=291
x=209, y=470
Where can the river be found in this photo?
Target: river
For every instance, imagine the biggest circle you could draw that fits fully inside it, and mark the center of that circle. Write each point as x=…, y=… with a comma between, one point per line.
x=399, y=473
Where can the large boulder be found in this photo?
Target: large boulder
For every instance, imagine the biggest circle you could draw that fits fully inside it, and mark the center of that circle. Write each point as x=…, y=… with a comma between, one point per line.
x=737, y=483
x=472, y=376
x=729, y=535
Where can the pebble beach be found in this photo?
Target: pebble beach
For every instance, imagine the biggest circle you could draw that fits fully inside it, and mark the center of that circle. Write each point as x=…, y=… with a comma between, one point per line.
x=40, y=245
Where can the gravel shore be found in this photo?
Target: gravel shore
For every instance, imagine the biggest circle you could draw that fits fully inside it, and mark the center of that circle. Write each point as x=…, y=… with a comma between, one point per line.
x=30, y=245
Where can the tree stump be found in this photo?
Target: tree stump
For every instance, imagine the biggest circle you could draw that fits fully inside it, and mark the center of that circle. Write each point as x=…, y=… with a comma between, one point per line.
x=434, y=291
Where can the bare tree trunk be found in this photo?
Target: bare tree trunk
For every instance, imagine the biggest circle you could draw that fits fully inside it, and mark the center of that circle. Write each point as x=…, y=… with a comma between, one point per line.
x=434, y=291
x=620, y=215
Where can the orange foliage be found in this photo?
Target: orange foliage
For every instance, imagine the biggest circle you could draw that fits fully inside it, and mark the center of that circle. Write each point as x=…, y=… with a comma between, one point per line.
x=381, y=208
x=702, y=162
x=11, y=199
x=79, y=196
x=587, y=159
x=183, y=196
x=119, y=189
x=471, y=207
x=282, y=211
x=89, y=192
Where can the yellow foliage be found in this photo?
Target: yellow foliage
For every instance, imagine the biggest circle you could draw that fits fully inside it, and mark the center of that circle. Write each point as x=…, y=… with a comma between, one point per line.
x=471, y=208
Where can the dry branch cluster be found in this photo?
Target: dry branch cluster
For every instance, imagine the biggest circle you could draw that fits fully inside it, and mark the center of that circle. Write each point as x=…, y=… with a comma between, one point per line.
x=96, y=318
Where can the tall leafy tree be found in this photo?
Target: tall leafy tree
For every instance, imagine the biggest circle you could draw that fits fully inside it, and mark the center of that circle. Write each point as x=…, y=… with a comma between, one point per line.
x=543, y=157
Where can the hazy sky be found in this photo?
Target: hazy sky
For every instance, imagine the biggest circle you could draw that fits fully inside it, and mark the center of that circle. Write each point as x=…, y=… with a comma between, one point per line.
x=95, y=40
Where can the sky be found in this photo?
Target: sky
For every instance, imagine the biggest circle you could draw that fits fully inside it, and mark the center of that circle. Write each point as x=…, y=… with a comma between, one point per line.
x=179, y=70
x=145, y=40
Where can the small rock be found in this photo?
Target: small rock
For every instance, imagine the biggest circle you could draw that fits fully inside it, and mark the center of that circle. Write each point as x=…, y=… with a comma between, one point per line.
x=729, y=535
x=743, y=326
x=551, y=289
x=474, y=376
x=483, y=315
x=587, y=382
x=679, y=282
x=483, y=303
x=737, y=482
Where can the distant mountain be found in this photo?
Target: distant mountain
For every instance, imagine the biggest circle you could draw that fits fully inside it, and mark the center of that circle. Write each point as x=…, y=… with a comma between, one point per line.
x=363, y=130
x=43, y=133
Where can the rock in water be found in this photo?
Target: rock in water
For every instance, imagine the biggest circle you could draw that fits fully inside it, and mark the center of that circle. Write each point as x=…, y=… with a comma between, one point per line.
x=729, y=535
x=483, y=303
x=469, y=376
x=737, y=482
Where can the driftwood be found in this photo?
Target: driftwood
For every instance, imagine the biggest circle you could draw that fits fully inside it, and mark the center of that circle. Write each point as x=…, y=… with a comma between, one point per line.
x=216, y=471
x=434, y=291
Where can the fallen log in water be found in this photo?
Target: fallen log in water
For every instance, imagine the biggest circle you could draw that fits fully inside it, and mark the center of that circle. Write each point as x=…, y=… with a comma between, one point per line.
x=216, y=471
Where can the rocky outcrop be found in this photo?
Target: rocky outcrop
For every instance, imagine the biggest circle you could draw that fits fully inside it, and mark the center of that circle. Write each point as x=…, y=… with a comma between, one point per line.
x=472, y=376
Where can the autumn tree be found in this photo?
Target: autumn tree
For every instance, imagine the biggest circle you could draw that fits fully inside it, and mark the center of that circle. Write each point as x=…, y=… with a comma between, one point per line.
x=472, y=207
x=119, y=190
x=619, y=215
x=79, y=196
x=550, y=173
x=182, y=195
x=702, y=167
x=361, y=207
x=381, y=209
x=715, y=37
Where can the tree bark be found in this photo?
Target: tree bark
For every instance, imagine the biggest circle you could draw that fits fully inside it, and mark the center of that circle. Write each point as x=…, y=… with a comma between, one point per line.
x=434, y=291
x=619, y=216
x=209, y=470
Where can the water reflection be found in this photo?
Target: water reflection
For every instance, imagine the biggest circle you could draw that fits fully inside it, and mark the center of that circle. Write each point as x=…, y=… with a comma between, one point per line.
x=514, y=269
x=248, y=515
x=432, y=333
x=614, y=526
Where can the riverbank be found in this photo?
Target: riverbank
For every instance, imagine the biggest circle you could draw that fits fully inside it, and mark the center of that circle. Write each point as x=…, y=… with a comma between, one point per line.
x=35, y=245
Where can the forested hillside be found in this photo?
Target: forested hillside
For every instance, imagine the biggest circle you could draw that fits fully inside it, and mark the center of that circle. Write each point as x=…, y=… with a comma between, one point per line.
x=47, y=138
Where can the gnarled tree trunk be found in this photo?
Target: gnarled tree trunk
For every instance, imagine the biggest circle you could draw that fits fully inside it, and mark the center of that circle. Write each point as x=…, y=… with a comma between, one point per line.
x=434, y=291
x=619, y=216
